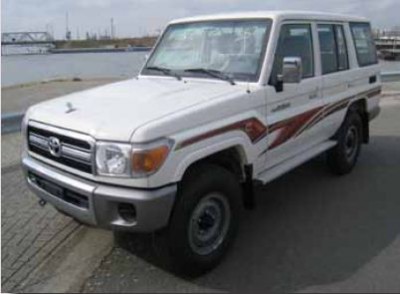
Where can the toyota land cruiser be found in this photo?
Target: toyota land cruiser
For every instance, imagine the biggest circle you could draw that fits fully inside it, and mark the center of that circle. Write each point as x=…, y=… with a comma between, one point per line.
x=222, y=102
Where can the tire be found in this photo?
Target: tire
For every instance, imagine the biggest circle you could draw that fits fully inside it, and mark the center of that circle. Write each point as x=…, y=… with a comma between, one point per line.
x=204, y=220
x=343, y=157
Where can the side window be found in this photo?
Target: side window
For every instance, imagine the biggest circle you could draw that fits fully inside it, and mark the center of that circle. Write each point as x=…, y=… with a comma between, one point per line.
x=327, y=45
x=364, y=44
x=333, y=48
x=295, y=40
x=343, y=59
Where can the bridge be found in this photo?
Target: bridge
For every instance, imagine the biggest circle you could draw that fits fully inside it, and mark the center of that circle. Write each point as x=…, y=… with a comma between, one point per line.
x=26, y=38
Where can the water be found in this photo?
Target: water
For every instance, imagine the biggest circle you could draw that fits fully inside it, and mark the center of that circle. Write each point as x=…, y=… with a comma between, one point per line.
x=19, y=69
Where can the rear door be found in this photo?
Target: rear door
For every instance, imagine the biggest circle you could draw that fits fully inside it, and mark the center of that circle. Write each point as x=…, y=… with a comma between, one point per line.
x=290, y=110
x=336, y=74
x=346, y=73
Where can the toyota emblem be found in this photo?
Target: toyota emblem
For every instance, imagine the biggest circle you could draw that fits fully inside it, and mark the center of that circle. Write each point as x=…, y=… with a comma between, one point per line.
x=54, y=146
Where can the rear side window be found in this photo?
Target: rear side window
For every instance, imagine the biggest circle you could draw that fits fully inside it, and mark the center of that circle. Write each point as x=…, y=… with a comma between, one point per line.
x=343, y=59
x=364, y=44
x=327, y=44
x=295, y=40
x=333, y=48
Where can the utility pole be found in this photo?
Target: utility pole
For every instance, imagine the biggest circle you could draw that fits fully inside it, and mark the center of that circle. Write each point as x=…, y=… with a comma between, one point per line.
x=112, y=33
x=67, y=32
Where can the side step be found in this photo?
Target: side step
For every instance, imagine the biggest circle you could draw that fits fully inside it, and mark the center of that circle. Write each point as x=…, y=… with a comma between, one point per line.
x=282, y=168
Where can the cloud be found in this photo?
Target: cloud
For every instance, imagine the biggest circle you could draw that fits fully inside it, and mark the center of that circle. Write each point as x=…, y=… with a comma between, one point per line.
x=139, y=17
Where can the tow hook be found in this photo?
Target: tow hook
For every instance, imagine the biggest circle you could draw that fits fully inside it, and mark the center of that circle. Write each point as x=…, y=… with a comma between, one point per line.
x=42, y=202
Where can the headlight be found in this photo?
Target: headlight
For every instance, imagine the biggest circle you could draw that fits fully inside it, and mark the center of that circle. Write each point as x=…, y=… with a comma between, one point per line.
x=124, y=160
x=113, y=159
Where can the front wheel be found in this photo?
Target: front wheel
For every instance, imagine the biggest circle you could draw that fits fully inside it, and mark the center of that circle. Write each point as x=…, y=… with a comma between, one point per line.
x=204, y=220
x=343, y=157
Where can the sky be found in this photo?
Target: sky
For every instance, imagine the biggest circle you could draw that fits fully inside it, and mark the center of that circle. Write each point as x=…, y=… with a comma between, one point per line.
x=142, y=17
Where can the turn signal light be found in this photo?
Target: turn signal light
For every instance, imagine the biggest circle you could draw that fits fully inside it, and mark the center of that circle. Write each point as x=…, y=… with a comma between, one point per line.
x=149, y=161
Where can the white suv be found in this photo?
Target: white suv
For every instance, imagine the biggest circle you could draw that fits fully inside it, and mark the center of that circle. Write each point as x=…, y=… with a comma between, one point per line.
x=222, y=102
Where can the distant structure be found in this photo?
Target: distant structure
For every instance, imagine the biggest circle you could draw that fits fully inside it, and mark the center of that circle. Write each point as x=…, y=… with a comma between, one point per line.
x=112, y=31
x=26, y=38
x=26, y=43
x=388, y=43
x=68, y=33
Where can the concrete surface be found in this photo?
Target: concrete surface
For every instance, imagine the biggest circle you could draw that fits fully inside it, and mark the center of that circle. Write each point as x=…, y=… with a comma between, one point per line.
x=19, y=98
x=29, y=233
x=42, y=250
x=311, y=231
x=68, y=267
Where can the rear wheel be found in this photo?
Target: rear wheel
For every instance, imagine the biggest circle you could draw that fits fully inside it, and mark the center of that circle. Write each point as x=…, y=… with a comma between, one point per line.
x=343, y=157
x=204, y=221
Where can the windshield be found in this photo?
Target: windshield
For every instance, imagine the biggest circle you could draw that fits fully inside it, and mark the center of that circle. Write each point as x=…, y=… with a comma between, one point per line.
x=234, y=48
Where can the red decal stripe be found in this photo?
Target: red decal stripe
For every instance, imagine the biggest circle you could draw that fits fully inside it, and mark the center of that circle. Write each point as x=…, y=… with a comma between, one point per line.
x=252, y=127
x=291, y=126
x=288, y=128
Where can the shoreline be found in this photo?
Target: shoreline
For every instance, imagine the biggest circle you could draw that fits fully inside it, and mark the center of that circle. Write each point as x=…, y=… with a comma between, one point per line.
x=60, y=80
x=18, y=98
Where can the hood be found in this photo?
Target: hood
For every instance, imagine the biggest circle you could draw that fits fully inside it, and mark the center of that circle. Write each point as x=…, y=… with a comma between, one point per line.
x=115, y=111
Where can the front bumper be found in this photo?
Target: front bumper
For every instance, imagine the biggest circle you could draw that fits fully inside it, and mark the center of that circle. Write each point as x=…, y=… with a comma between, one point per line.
x=97, y=204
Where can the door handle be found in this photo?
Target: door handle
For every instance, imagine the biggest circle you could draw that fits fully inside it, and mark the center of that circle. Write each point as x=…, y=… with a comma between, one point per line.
x=350, y=85
x=313, y=95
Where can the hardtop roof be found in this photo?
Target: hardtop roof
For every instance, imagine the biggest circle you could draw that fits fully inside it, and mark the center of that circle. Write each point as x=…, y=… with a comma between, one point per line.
x=275, y=15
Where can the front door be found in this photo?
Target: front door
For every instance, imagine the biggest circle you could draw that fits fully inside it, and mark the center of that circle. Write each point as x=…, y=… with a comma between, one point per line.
x=290, y=112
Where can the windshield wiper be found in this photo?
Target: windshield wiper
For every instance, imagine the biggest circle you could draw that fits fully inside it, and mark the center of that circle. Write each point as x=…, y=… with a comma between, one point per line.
x=214, y=73
x=165, y=71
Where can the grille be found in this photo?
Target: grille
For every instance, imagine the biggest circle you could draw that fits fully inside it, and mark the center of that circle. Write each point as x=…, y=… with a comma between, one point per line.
x=72, y=152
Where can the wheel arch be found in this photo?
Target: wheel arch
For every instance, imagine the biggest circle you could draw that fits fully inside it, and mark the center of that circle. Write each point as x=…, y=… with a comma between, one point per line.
x=361, y=107
x=235, y=160
x=232, y=158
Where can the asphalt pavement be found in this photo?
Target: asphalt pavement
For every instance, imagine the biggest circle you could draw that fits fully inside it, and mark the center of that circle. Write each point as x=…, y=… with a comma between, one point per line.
x=311, y=232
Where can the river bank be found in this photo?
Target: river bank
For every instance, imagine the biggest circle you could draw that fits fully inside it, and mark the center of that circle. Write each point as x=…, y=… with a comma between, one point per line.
x=107, y=43
x=22, y=69
x=18, y=98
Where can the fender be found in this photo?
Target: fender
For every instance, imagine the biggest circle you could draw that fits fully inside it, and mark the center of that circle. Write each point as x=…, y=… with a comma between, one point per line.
x=240, y=142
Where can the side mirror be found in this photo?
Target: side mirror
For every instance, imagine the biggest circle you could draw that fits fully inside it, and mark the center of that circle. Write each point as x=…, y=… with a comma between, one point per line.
x=292, y=70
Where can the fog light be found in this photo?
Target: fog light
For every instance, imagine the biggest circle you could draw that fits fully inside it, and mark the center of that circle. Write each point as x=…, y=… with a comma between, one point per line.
x=127, y=212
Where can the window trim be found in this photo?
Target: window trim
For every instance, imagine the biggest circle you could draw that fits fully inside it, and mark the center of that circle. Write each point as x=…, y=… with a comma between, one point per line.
x=335, y=36
x=351, y=25
x=345, y=46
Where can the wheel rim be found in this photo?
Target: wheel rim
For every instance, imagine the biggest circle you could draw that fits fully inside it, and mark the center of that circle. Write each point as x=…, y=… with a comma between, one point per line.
x=351, y=143
x=209, y=223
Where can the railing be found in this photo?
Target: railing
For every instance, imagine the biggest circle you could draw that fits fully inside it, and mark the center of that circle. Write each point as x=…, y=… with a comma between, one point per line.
x=11, y=122
x=391, y=76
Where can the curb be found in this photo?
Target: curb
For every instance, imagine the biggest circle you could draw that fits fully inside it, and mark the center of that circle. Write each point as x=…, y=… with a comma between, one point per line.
x=11, y=122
